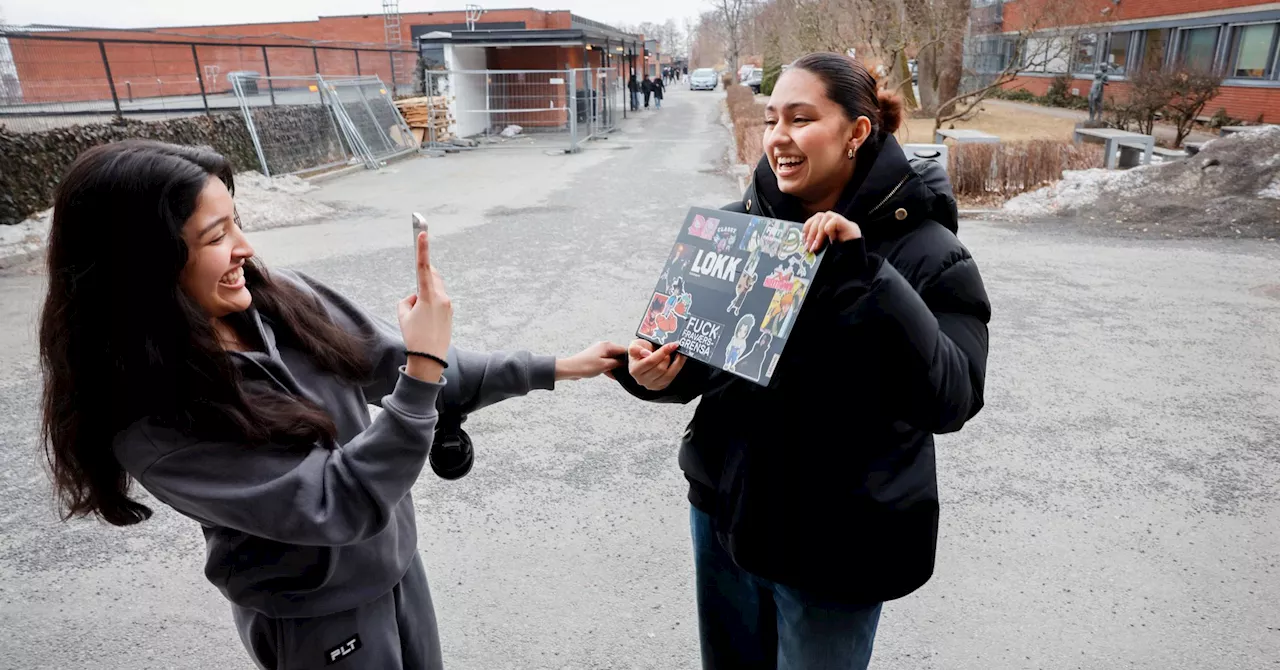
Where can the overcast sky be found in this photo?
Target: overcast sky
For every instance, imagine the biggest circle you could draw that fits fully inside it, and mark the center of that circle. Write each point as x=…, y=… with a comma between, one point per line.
x=146, y=13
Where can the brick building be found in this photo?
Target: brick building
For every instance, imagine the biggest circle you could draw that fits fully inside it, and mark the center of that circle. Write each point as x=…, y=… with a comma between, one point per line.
x=59, y=65
x=1239, y=38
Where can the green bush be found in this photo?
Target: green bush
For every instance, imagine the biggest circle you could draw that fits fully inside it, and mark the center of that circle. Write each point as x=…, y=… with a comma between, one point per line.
x=771, y=73
x=1220, y=119
x=1020, y=95
x=1058, y=95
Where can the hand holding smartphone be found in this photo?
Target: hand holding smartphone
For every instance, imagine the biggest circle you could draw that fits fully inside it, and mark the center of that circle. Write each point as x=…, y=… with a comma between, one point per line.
x=419, y=225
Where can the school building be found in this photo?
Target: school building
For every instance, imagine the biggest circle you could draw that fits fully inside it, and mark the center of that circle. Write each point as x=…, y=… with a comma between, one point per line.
x=1239, y=38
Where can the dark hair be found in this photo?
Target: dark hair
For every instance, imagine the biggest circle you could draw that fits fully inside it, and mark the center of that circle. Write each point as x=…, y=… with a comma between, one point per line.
x=120, y=341
x=850, y=85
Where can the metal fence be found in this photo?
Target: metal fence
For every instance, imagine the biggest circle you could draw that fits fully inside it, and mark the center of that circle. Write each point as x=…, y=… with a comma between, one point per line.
x=48, y=81
x=305, y=124
x=560, y=108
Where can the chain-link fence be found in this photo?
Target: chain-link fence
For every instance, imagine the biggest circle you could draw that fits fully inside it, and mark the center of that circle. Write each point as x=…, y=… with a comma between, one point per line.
x=598, y=101
x=311, y=123
x=558, y=108
x=366, y=103
x=48, y=81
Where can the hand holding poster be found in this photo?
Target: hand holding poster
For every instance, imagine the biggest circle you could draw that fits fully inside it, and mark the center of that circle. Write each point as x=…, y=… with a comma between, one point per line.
x=730, y=291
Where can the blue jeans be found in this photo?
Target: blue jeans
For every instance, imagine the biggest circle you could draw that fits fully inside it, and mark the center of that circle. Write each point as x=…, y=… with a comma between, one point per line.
x=658, y=102
x=635, y=100
x=749, y=623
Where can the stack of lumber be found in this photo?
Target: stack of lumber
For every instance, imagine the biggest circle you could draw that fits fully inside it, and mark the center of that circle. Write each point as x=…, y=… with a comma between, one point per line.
x=424, y=113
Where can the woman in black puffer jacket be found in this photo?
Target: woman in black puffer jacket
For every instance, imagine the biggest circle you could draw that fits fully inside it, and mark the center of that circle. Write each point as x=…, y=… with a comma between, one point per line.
x=815, y=498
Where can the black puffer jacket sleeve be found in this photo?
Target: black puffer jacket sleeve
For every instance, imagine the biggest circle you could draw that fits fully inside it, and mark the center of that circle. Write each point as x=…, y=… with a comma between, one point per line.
x=926, y=343
x=693, y=380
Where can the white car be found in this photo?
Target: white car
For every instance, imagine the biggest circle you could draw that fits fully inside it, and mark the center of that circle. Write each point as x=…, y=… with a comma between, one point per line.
x=703, y=79
x=754, y=79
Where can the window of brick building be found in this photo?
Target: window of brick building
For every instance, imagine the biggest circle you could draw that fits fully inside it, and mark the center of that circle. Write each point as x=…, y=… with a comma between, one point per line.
x=1198, y=47
x=1252, y=53
x=1118, y=51
x=1085, y=55
x=1153, y=47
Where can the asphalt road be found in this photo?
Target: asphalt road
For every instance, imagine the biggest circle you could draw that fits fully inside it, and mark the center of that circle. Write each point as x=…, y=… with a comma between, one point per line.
x=1115, y=505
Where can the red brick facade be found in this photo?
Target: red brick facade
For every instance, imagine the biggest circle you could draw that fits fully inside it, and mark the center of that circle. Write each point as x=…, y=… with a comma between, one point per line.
x=62, y=71
x=1247, y=103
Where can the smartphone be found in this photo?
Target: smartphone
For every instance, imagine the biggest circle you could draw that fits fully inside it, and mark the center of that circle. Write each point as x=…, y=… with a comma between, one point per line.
x=419, y=226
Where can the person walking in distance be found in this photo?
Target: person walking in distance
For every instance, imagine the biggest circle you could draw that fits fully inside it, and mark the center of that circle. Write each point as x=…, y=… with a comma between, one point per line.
x=634, y=88
x=646, y=87
x=239, y=397
x=659, y=90
x=799, y=537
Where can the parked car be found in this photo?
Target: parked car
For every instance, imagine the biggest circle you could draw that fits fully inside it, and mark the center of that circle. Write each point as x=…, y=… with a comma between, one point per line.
x=703, y=79
x=753, y=79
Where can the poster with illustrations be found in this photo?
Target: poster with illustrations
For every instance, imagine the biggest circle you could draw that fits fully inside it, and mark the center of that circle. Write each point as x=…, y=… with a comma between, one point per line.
x=730, y=291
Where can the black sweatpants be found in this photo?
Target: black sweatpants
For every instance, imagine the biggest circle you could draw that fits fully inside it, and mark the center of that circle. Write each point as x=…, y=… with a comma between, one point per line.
x=398, y=630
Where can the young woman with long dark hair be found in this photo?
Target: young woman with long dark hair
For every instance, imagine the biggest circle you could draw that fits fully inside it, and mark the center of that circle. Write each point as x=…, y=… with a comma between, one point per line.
x=814, y=500
x=239, y=397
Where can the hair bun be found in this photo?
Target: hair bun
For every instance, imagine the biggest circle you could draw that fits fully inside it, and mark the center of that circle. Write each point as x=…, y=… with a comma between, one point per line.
x=890, y=110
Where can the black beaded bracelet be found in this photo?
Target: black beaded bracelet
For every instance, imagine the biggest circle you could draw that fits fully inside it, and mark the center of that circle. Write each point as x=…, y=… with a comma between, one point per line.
x=432, y=357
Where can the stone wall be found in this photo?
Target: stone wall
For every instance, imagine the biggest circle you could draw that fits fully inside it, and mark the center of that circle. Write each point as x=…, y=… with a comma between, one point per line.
x=31, y=164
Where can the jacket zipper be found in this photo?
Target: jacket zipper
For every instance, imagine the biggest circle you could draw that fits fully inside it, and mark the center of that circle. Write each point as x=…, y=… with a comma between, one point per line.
x=887, y=197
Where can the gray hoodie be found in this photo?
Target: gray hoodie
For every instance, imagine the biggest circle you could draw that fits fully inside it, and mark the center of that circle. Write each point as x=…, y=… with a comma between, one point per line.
x=295, y=532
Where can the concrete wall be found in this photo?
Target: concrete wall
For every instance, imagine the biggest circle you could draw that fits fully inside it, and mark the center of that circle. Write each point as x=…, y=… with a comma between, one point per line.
x=467, y=90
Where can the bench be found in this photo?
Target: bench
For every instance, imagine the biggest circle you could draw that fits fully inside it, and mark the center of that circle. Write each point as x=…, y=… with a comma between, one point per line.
x=964, y=135
x=1111, y=139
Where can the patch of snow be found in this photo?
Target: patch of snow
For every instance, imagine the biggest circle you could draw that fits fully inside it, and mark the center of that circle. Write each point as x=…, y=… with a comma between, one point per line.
x=1272, y=190
x=24, y=241
x=1233, y=179
x=273, y=202
x=262, y=202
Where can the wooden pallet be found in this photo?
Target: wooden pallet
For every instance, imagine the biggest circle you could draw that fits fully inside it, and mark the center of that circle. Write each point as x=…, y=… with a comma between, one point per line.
x=425, y=114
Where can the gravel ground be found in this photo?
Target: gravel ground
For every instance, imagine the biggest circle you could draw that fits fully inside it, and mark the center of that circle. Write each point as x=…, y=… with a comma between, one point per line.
x=1113, y=506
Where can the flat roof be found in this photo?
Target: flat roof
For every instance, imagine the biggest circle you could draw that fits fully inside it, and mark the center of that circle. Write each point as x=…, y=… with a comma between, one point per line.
x=552, y=37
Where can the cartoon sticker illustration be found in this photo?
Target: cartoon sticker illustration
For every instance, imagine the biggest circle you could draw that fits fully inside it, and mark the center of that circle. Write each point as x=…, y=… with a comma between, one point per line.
x=746, y=282
x=751, y=235
x=772, y=240
x=703, y=227
x=752, y=362
x=724, y=239
x=649, y=326
x=792, y=242
x=738, y=343
x=781, y=308
x=676, y=306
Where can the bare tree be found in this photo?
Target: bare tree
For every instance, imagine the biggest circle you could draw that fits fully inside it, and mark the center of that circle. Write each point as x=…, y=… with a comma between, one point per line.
x=733, y=14
x=710, y=43
x=690, y=33
x=1039, y=45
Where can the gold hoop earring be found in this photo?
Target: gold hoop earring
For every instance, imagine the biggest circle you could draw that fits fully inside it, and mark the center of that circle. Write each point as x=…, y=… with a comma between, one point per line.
x=851, y=154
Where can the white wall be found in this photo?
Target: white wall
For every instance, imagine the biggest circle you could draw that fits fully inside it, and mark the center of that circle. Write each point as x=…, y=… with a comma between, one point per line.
x=467, y=90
